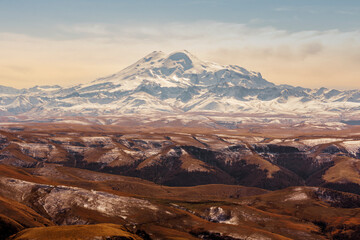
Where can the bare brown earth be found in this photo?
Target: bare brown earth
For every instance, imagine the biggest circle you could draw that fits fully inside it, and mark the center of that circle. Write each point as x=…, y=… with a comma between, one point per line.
x=110, y=231
x=171, y=183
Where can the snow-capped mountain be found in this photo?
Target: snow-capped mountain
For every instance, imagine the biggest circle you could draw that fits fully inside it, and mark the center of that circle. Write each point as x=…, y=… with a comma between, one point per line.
x=177, y=83
x=182, y=69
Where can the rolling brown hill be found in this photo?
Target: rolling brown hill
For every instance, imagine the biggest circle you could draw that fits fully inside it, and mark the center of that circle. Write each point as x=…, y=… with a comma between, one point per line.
x=99, y=231
x=190, y=156
x=188, y=184
x=159, y=212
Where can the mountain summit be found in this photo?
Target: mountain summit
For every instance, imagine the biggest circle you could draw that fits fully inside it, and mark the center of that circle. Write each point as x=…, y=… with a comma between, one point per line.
x=179, y=82
x=184, y=69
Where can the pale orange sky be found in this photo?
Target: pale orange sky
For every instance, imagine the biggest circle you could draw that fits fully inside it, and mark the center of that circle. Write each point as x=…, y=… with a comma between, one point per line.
x=304, y=58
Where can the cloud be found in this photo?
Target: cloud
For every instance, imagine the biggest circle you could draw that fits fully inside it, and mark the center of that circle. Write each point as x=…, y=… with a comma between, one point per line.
x=311, y=48
x=92, y=29
x=308, y=58
x=344, y=12
x=283, y=9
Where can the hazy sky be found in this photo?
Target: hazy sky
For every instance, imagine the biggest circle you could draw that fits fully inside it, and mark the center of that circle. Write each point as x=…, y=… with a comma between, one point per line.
x=310, y=43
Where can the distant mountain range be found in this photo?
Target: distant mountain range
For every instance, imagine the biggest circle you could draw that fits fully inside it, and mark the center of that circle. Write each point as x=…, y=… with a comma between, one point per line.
x=177, y=83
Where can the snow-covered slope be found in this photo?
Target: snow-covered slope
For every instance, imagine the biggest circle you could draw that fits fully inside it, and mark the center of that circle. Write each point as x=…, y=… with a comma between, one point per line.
x=182, y=69
x=176, y=83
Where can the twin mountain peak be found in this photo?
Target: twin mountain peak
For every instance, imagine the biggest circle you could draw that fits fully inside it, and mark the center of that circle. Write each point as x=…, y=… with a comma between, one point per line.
x=184, y=69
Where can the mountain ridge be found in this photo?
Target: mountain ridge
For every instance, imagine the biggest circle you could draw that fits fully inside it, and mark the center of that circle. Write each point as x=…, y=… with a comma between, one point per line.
x=179, y=82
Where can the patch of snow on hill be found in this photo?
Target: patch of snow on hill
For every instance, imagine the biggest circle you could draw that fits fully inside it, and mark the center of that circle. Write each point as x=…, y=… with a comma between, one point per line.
x=318, y=141
x=352, y=147
x=298, y=195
